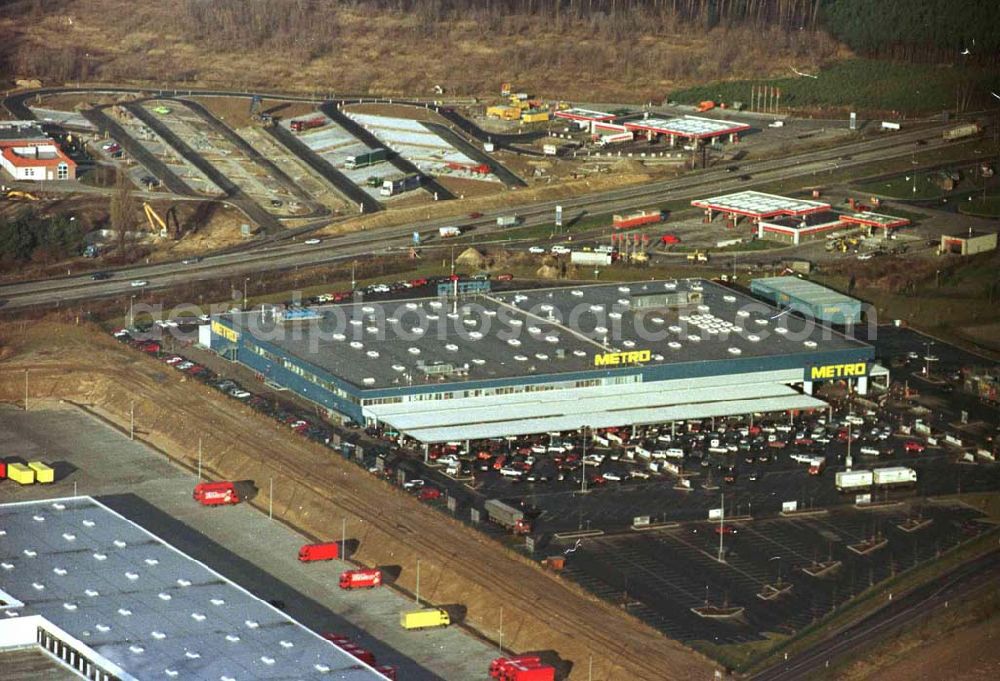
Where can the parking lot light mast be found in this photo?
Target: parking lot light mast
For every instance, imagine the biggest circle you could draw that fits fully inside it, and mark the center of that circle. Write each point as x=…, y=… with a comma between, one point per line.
x=26, y=390
x=418, y=582
x=583, y=458
x=131, y=426
x=722, y=523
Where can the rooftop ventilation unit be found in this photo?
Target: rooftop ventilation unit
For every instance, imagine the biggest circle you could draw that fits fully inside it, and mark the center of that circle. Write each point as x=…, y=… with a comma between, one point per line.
x=437, y=369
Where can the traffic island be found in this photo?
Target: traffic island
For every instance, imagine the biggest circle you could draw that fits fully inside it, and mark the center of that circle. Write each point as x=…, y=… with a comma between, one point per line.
x=822, y=569
x=772, y=592
x=914, y=524
x=804, y=513
x=868, y=546
x=718, y=613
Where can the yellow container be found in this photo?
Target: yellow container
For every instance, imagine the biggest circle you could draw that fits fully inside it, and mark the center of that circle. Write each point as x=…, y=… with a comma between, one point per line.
x=20, y=473
x=535, y=117
x=421, y=619
x=43, y=474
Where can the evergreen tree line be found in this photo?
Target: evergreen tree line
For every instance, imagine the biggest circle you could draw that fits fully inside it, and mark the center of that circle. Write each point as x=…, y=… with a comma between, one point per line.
x=30, y=237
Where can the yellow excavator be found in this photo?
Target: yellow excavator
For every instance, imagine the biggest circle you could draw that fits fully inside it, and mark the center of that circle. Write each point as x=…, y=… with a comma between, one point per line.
x=18, y=194
x=159, y=225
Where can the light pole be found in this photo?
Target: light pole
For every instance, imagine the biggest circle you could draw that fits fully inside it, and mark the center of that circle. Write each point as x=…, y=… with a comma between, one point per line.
x=583, y=458
x=131, y=316
x=245, y=280
x=26, y=390
x=418, y=582
x=131, y=427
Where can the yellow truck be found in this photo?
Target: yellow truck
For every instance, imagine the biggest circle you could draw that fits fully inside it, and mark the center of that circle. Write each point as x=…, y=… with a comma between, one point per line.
x=423, y=619
x=43, y=473
x=20, y=474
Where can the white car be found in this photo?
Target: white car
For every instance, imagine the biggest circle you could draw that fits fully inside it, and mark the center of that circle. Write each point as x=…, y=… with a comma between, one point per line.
x=614, y=477
x=538, y=250
x=865, y=256
x=138, y=282
x=311, y=242
x=509, y=472
x=559, y=250
x=413, y=484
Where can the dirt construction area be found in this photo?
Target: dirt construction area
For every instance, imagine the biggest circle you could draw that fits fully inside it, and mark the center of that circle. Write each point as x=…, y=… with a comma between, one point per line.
x=458, y=566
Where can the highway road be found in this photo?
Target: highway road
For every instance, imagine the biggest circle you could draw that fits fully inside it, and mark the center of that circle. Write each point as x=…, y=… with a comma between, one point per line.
x=270, y=257
x=980, y=574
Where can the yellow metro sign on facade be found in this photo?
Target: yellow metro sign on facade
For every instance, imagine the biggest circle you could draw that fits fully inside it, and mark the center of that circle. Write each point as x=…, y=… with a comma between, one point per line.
x=224, y=331
x=834, y=371
x=613, y=359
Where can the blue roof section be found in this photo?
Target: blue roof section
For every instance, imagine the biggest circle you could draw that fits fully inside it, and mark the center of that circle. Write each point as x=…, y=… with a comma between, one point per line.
x=809, y=298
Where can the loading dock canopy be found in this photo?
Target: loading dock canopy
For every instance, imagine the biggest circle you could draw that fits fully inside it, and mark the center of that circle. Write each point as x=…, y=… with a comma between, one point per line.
x=575, y=408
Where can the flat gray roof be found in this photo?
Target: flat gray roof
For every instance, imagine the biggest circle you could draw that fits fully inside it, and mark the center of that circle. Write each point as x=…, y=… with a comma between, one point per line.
x=803, y=290
x=145, y=606
x=538, y=332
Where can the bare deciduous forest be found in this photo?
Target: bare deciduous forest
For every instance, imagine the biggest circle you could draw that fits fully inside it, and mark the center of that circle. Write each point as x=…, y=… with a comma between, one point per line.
x=592, y=50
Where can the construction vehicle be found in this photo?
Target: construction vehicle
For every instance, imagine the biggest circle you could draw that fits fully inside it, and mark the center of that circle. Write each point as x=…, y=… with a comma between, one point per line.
x=159, y=225
x=965, y=130
x=507, y=516
x=505, y=89
x=161, y=110
x=18, y=194
x=707, y=105
x=216, y=493
x=698, y=256
x=423, y=619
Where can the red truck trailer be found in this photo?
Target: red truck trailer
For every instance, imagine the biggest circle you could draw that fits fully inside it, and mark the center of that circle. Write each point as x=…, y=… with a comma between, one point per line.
x=521, y=668
x=641, y=217
x=3, y=470
x=216, y=493
x=326, y=551
x=366, y=656
x=367, y=578
x=387, y=670
x=307, y=124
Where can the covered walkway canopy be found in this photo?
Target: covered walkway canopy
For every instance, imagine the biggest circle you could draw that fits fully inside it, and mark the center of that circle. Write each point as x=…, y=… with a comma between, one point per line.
x=571, y=409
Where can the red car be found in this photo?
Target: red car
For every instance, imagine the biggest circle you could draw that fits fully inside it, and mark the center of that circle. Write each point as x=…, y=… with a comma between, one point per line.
x=506, y=276
x=670, y=239
x=475, y=216
x=418, y=282
x=725, y=529
x=429, y=494
x=913, y=447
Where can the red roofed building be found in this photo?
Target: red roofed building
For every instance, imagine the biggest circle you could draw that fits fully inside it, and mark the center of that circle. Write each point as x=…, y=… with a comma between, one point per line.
x=34, y=158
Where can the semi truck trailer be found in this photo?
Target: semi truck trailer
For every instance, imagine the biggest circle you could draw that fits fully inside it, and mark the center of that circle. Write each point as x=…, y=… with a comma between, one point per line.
x=521, y=668
x=369, y=158
x=507, y=516
x=216, y=493
x=399, y=184
x=43, y=473
x=893, y=475
x=367, y=578
x=20, y=474
x=307, y=124
x=423, y=619
x=325, y=551
x=448, y=232
x=589, y=258
x=640, y=217
x=847, y=481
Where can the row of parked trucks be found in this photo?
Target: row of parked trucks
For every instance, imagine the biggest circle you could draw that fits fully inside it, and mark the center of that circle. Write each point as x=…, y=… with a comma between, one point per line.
x=520, y=668
x=27, y=474
x=893, y=476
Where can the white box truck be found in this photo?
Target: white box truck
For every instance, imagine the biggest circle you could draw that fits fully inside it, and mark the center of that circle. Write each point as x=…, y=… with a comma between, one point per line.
x=590, y=258
x=894, y=475
x=853, y=480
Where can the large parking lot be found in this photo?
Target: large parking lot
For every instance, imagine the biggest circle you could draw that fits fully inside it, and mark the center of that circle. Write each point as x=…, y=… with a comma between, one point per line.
x=660, y=575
